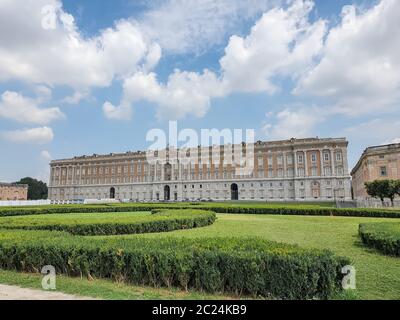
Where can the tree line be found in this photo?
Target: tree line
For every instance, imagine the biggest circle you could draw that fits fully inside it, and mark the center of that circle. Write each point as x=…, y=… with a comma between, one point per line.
x=383, y=189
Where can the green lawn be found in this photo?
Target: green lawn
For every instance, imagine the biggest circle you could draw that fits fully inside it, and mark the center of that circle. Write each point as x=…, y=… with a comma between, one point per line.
x=103, y=289
x=378, y=276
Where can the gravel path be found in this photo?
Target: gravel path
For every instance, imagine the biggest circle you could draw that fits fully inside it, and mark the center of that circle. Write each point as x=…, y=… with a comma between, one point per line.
x=17, y=293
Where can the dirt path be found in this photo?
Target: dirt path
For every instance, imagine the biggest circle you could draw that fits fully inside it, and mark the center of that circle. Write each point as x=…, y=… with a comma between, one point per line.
x=17, y=293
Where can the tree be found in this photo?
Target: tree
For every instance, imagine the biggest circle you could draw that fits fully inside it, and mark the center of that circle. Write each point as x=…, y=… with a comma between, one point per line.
x=383, y=189
x=392, y=190
x=378, y=189
x=397, y=187
x=37, y=190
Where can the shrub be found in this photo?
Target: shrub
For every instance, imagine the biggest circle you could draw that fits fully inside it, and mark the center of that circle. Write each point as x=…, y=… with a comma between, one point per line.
x=299, y=210
x=384, y=237
x=275, y=209
x=217, y=265
x=112, y=224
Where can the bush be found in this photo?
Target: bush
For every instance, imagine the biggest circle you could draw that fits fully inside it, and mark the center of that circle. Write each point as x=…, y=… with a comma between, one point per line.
x=299, y=210
x=112, y=224
x=384, y=237
x=275, y=209
x=217, y=265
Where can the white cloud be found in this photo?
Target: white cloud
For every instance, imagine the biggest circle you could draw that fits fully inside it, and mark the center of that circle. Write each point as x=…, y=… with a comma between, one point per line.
x=76, y=97
x=393, y=141
x=360, y=66
x=374, y=132
x=184, y=93
x=43, y=93
x=183, y=26
x=45, y=155
x=286, y=124
x=282, y=42
x=16, y=107
x=36, y=135
x=121, y=112
x=63, y=56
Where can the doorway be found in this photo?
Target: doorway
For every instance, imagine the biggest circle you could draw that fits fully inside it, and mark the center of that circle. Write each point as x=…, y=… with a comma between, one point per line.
x=167, y=193
x=112, y=193
x=234, y=192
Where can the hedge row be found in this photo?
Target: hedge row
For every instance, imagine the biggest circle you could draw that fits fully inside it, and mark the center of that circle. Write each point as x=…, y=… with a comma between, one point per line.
x=384, y=237
x=219, y=208
x=100, y=224
x=306, y=211
x=250, y=266
x=53, y=209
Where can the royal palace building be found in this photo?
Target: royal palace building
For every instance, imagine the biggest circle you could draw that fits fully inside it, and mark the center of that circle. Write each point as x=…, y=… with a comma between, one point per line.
x=292, y=170
x=376, y=163
x=13, y=192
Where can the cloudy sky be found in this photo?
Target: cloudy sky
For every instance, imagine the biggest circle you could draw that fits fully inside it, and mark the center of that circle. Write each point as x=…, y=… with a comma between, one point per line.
x=88, y=76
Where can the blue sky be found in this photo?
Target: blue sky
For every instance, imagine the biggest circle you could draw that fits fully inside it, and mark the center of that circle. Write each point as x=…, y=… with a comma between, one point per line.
x=107, y=72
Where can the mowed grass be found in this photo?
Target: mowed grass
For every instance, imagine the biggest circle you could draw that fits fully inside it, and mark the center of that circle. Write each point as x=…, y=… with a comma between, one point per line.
x=103, y=289
x=378, y=276
x=74, y=218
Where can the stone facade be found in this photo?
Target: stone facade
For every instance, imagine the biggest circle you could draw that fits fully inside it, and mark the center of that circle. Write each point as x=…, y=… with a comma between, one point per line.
x=12, y=191
x=292, y=170
x=376, y=163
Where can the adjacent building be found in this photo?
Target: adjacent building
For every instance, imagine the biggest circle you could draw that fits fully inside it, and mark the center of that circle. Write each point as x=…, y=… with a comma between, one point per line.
x=376, y=163
x=311, y=169
x=12, y=191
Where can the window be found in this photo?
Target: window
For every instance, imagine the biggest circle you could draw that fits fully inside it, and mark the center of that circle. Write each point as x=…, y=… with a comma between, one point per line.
x=313, y=157
x=327, y=171
x=290, y=159
x=300, y=158
x=338, y=156
x=314, y=171
x=326, y=156
x=280, y=159
x=270, y=173
x=260, y=162
x=301, y=172
x=383, y=171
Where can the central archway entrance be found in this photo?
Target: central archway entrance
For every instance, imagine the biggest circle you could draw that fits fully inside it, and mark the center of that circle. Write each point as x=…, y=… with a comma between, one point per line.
x=167, y=193
x=112, y=193
x=234, y=192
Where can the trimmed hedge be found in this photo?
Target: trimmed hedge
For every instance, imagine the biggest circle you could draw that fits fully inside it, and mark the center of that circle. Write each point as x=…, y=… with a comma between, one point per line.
x=217, y=265
x=385, y=237
x=112, y=224
x=306, y=211
x=219, y=208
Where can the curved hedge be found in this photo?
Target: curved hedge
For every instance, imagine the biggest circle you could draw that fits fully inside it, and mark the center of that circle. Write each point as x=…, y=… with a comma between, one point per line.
x=219, y=208
x=107, y=224
x=384, y=237
x=217, y=265
x=308, y=211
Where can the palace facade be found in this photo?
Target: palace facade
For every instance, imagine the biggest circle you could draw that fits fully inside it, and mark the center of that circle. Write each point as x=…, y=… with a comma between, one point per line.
x=376, y=163
x=292, y=170
x=13, y=191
